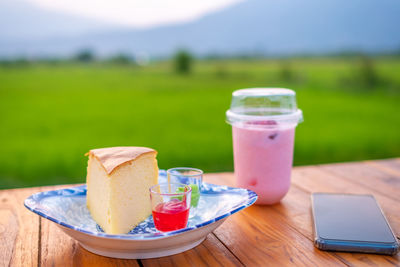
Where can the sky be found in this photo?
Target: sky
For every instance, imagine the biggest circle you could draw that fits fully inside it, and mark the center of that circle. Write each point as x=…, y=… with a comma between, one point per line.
x=137, y=13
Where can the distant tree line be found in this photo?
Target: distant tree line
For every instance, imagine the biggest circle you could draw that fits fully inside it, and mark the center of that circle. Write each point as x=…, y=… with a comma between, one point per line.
x=82, y=56
x=364, y=75
x=184, y=59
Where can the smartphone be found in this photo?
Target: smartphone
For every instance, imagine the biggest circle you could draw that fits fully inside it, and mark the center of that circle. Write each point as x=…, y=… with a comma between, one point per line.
x=353, y=223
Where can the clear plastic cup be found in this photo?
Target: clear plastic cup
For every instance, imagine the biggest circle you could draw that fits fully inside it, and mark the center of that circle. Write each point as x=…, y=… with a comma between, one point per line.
x=263, y=124
x=189, y=176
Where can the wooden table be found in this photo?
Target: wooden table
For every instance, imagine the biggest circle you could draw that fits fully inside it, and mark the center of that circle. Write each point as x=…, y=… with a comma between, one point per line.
x=257, y=236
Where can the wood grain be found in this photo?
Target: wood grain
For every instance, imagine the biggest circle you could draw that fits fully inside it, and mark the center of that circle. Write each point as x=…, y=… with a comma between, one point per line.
x=70, y=253
x=295, y=209
x=58, y=249
x=209, y=253
x=257, y=236
x=19, y=230
x=367, y=174
x=314, y=179
x=393, y=163
x=391, y=166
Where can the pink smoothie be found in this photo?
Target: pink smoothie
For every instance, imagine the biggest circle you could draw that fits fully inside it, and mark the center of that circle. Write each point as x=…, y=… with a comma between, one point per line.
x=263, y=161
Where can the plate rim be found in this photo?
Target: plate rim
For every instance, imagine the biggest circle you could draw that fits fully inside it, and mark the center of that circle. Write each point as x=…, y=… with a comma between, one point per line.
x=252, y=197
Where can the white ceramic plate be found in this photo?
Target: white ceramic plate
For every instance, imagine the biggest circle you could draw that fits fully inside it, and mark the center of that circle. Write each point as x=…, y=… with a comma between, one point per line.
x=67, y=208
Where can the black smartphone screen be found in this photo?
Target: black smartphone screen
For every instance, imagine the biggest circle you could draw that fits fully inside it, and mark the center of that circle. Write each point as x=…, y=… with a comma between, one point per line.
x=347, y=222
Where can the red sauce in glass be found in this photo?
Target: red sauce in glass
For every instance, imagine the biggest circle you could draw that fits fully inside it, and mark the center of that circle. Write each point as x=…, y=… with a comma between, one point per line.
x=171, y=215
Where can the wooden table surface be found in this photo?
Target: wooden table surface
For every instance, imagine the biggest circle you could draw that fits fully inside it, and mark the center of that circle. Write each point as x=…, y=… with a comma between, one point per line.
x=257, y=236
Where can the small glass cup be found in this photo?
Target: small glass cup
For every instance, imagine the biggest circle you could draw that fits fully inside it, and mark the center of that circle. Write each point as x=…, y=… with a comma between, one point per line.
x=188, y=176
x=170, y=204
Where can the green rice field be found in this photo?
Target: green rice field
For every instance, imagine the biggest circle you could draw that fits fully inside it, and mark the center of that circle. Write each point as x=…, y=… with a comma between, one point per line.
x=52, y=114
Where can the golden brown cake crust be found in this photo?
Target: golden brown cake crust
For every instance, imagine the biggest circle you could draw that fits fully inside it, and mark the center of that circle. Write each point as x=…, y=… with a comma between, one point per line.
x=112, y=157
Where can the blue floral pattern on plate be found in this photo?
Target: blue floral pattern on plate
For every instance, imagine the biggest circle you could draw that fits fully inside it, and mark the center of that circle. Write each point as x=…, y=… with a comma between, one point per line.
x=67, y=207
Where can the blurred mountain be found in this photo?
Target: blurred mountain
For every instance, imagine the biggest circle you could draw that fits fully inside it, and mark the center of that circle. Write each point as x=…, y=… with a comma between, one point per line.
x=257, y=26
x=23, y=25
x=23, y=20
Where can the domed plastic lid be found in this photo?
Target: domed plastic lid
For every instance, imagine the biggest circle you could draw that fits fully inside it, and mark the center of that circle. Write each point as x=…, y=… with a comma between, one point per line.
x=264, y=106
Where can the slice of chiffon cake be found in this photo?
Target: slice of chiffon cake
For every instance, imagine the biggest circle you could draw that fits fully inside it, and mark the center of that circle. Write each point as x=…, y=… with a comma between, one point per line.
x=118, y=182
